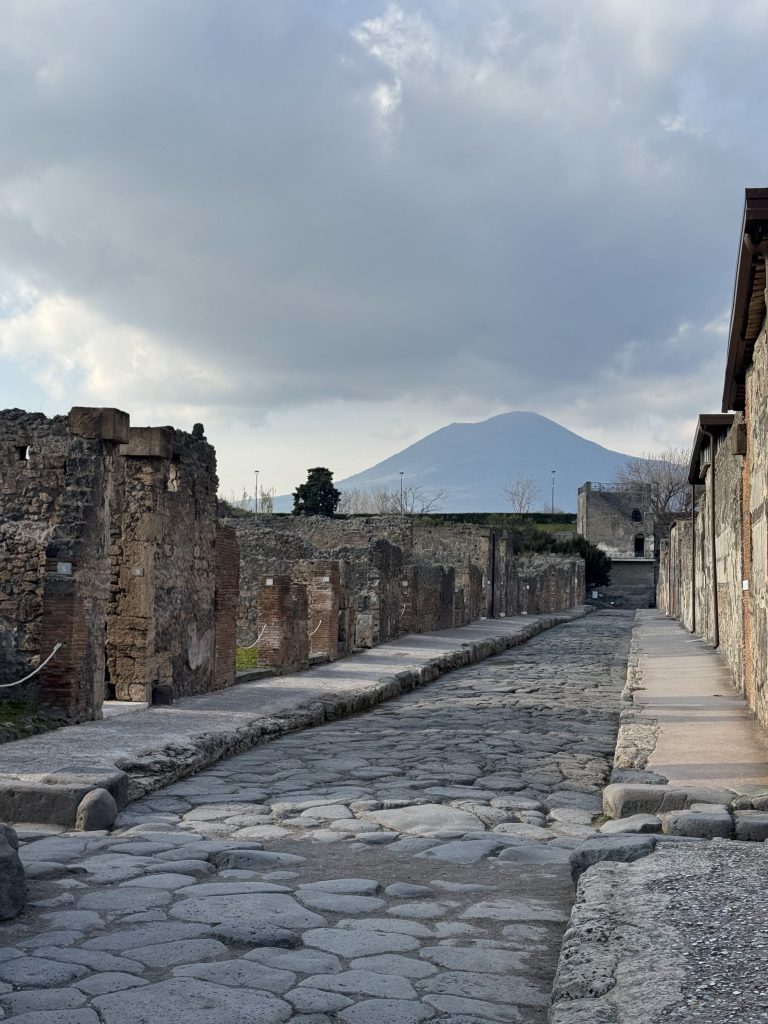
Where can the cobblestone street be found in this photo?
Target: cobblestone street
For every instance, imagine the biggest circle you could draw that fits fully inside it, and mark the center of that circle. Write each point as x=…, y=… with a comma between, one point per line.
x=405, y=865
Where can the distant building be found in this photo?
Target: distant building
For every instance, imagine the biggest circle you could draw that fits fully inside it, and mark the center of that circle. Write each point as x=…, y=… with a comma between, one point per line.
x=618, y=520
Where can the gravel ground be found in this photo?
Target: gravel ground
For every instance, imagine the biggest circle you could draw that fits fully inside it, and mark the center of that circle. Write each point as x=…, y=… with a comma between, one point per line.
x=718, y=906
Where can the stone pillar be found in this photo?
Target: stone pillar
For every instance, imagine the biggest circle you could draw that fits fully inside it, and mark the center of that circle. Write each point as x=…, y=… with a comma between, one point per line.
x=283, y=614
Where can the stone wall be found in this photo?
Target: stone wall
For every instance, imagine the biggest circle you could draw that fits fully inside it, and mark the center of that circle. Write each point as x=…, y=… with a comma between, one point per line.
x=544, y=583
x=56, y=496
x=709, y=598
x=161, y=630
x=108, y=538
x=378, y=576
x=617, y=519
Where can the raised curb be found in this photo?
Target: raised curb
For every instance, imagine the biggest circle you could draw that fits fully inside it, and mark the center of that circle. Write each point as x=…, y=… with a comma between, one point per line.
x=53, y=797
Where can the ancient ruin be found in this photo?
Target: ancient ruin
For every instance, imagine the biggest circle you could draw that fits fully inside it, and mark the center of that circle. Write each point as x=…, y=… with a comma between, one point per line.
x=118, y=580
x=367, y=579
x=714, y=569
x=618, y=519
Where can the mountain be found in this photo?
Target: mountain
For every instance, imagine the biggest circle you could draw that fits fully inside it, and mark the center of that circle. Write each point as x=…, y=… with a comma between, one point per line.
x=471, y=462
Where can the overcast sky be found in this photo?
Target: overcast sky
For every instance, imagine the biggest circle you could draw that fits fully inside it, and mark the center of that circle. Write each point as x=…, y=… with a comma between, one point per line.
x=325, y=228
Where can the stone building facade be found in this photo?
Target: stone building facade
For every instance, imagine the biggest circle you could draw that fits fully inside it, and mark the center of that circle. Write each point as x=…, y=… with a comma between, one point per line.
x=109, y=541
x=714, y=570
x=619, y=520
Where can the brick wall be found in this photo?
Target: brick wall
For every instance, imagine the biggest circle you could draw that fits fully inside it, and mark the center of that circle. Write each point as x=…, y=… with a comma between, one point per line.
x=226, y=598
x=283, y=614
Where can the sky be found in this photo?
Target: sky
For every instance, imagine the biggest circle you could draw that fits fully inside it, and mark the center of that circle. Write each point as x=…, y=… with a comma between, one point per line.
x=325, y=228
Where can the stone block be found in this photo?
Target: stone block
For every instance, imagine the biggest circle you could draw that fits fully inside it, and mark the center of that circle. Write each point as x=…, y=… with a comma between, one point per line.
x=700, y=824
x=55, y=798
x=13, y=886
x=104, y=424
x=612, y=848
x=752, y=826
x=621, y=801
x=97, y=810
x=148, y=443
x=637, y=823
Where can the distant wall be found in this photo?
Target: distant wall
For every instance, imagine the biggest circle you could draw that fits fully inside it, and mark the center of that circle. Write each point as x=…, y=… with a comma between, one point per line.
x=374, y=577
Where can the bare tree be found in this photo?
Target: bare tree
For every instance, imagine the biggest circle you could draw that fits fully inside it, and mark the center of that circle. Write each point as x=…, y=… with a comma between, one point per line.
x=522, y=493
x=266, y=501
x=662, y=478
x=409, y=500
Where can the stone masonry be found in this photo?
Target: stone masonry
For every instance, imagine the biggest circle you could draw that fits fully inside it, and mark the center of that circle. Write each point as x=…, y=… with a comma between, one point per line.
x=369, y=578
x=714, y=570
x=108, y=538
x=56, y=500
x=161, y=634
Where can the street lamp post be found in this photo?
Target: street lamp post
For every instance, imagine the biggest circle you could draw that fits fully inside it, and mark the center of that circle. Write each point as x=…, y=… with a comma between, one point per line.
x=256, y=491
x=553, y=492
x=401, y=491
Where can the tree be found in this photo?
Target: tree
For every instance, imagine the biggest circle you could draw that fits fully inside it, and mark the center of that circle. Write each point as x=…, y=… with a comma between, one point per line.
x=522, y=493
x=318, y=496
x=662, y=480
x=408, y=500
x=266, y=501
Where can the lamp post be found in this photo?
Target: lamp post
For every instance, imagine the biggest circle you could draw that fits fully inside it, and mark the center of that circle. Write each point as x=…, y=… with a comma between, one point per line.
x=256, y=491
x=552, y=510
x=401, y=491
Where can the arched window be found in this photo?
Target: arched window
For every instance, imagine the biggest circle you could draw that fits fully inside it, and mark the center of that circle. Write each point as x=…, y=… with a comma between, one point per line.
x=637, y=515
x=639, y=546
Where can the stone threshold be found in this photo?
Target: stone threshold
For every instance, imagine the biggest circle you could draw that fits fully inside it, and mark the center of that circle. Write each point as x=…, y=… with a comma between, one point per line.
x=44, y=778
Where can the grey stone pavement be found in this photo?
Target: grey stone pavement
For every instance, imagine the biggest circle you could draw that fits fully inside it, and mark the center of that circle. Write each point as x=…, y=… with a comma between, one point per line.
x=407, y=864
x=44, y=777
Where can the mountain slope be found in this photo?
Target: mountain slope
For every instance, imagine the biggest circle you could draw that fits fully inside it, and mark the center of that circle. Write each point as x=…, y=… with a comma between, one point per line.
x=471, y=462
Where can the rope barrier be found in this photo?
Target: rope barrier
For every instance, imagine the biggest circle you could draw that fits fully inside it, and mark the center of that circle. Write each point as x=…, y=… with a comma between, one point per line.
x=316, y=629
x=4, y=686
x=250, y=647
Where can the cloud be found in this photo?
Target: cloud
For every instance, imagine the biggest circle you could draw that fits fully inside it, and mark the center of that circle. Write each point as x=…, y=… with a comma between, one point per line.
x=245, y=208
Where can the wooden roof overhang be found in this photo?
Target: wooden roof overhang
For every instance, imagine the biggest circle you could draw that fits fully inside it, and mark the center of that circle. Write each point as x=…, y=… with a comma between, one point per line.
x=748, y=308
x=707, y=424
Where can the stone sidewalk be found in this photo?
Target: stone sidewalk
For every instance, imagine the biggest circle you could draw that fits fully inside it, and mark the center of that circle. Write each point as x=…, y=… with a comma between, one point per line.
x=677, y=935
x=706, y=735
x=44, y=778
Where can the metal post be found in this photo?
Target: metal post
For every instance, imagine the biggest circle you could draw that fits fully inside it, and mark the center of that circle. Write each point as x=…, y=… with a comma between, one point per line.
x=256, y=492
x=553, y=492
x=401, y=491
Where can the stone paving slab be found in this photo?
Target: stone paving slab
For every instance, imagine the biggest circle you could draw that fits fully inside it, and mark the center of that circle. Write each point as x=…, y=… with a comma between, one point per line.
x=44, y=777
x=182, y=913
